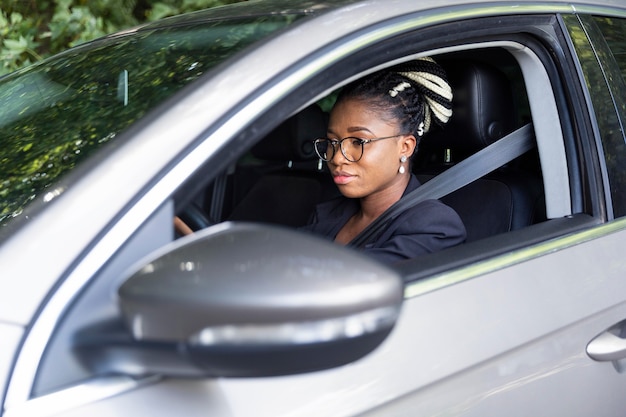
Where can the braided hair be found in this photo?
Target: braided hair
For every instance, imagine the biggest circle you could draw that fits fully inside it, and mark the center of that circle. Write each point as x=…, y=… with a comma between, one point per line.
x=414, y=94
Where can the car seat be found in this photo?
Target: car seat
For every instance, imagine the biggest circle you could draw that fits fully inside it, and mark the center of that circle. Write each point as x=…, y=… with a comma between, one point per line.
x=484, y=111
x=288, y=180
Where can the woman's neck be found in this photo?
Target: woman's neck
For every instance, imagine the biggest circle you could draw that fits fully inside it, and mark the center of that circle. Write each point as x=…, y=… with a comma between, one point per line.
x=371, y=207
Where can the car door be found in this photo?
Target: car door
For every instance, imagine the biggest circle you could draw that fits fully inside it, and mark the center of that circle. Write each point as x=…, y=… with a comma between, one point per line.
x=560, y=304
x=499, y=326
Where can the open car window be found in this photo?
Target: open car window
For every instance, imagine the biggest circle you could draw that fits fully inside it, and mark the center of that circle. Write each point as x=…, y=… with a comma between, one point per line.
x=280, y=179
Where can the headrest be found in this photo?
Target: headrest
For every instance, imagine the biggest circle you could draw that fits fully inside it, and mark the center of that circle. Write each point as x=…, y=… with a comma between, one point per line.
x=293, y=139
x=483, y=108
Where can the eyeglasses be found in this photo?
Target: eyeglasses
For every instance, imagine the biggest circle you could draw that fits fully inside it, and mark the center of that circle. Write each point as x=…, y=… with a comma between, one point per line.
x=351, y=148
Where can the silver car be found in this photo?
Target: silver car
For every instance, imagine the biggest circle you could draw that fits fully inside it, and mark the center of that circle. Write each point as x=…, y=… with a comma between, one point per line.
x=209, y=117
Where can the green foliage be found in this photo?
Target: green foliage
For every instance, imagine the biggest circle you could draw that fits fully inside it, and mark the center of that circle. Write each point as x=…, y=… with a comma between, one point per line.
x=33, y=30
x=55, y=114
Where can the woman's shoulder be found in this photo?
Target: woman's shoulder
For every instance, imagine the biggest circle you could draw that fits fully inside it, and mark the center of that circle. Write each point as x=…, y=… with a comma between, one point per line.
x=427, y=227
x=430, y=208
x=430, y=216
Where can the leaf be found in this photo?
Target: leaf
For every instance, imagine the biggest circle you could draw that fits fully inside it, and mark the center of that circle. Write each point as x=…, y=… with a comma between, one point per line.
x=16, y=45
x=16, y=18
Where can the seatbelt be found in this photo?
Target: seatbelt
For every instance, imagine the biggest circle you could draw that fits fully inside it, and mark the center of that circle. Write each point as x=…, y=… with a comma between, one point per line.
x=476, y=166
x=217, y=198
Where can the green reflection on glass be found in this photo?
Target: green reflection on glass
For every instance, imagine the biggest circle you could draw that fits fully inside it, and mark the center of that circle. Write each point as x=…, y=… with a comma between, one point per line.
x=54, y=115
x=607, y=92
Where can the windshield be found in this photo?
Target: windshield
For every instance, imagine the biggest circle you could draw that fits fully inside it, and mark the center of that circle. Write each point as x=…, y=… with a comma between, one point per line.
x=57, y=113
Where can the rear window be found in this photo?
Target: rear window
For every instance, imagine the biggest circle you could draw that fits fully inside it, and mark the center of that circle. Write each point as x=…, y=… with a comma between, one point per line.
x=614, y=33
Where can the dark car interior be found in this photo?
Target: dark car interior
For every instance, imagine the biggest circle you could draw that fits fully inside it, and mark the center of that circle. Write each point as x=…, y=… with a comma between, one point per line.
x=280, y=180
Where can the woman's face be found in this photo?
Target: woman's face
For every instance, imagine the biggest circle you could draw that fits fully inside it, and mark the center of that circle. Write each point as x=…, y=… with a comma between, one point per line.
x=376, y=172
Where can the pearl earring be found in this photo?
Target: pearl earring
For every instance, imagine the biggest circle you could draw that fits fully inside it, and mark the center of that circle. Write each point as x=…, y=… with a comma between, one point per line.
x=402, y=170
x=420, y=129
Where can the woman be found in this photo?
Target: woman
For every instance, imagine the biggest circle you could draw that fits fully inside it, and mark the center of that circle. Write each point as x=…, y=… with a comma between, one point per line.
x=373, y=131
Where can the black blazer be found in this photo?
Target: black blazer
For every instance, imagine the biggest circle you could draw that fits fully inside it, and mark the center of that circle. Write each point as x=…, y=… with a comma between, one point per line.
x=425, y=228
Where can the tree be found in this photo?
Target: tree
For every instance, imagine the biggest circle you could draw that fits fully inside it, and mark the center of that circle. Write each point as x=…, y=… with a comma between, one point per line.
x=31, y=30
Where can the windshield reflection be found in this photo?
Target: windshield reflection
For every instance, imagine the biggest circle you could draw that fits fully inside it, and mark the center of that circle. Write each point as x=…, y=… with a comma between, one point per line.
x=56, y=114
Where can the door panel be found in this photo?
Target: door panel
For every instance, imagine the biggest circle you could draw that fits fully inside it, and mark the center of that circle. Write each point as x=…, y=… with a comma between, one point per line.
x=511, y=342
x=514, y=342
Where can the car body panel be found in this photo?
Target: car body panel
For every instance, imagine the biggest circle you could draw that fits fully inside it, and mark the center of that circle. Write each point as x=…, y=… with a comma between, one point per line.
x=11, y=339
x=455, y=372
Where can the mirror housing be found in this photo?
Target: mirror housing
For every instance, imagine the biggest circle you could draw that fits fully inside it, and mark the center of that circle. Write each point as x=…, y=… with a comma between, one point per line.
x=242, y=299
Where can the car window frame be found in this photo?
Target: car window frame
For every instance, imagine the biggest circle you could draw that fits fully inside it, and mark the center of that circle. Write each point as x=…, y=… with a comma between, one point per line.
x=606, y=86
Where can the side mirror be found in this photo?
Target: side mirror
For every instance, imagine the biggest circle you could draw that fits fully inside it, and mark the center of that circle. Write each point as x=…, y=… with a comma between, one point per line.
x=241, y=299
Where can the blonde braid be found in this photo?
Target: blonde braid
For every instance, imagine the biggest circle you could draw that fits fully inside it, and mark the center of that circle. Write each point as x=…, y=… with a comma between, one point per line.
x=415, y=94
x=440, y=92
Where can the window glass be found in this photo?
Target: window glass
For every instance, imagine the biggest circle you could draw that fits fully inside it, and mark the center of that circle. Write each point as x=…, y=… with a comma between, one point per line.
x=57, y=113
x=614, y=31
x=601, y=45
x=614, y=64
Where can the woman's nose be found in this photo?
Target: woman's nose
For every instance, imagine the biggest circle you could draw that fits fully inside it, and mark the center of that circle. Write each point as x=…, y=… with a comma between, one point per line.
x=338, y=156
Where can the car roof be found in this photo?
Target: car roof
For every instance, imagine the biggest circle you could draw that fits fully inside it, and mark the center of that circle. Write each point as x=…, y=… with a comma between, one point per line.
x=309, y=7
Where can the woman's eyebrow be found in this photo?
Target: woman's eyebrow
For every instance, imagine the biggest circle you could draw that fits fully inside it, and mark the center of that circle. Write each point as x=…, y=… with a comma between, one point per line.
x=353, y=129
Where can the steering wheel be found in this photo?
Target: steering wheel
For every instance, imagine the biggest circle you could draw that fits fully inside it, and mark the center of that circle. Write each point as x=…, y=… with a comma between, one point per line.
x=195, y=217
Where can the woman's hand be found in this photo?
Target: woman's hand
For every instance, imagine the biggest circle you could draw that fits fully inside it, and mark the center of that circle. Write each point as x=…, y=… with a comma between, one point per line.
x=181, y=227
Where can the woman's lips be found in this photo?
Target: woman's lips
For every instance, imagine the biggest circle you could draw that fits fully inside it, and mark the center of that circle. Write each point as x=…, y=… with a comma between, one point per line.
x=342, y=178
